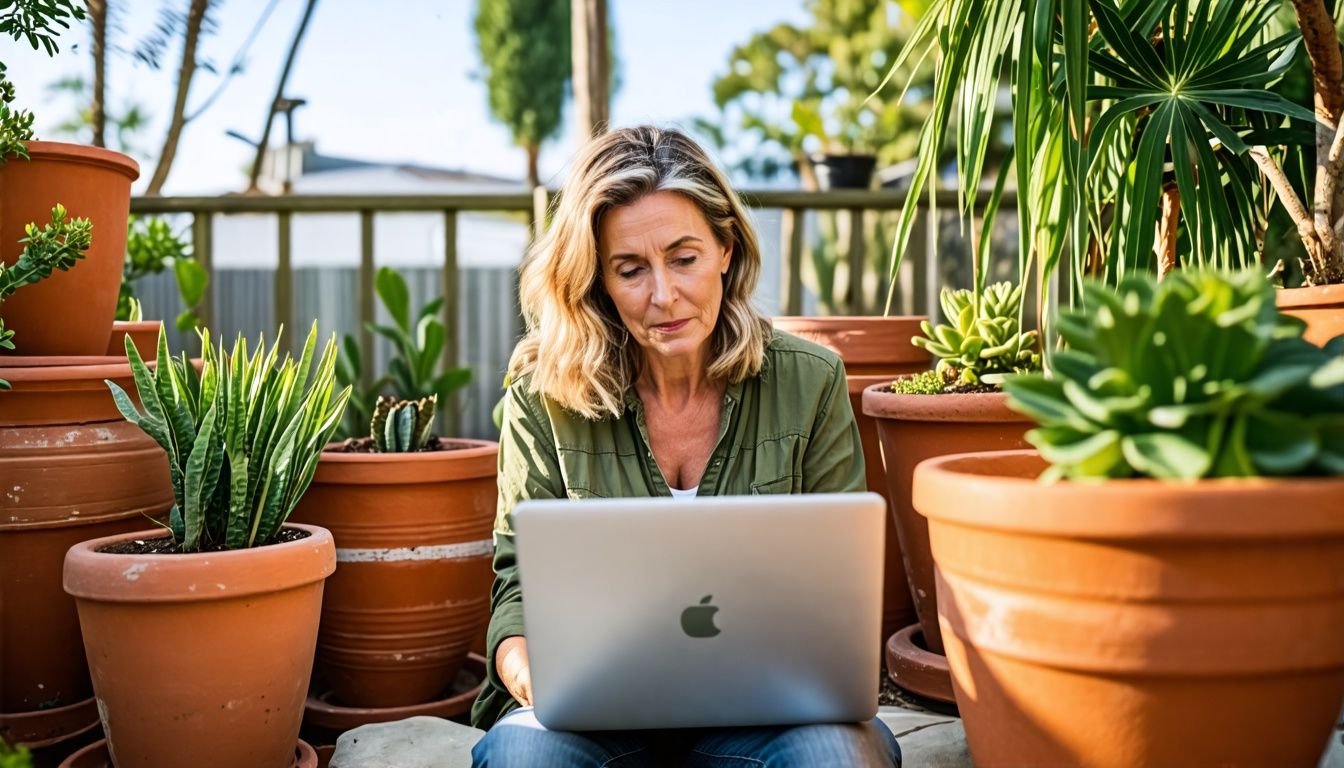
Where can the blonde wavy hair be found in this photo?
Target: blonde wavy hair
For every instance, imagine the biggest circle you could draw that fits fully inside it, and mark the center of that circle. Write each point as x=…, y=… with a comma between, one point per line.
x=576, y=346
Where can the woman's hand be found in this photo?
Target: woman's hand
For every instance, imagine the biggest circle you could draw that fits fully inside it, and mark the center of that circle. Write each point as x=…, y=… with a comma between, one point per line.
x=511, y=663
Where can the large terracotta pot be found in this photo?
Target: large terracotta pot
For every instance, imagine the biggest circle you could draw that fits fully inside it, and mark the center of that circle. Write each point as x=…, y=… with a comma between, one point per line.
x=201, y=659
x=1137, y=622
x=1321, y=307
x=71, y=469
x=71, y=312
x=411, y=591
x=144, y=334
x=875, y=350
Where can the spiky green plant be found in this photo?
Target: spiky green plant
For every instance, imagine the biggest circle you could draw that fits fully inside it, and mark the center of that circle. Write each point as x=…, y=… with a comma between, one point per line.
x=243, y=438
x=401, y=426
x=984, y=340
x=1196, y=376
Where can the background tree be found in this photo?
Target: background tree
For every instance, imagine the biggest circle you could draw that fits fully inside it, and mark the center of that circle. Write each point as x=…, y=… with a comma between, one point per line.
x=525, y=49
x=792, y=91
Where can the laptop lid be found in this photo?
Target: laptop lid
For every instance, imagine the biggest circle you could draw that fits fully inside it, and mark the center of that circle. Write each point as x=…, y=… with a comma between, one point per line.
x=715, y=611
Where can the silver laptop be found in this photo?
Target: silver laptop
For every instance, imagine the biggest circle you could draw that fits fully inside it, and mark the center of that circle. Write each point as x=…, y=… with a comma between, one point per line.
x=715, y=611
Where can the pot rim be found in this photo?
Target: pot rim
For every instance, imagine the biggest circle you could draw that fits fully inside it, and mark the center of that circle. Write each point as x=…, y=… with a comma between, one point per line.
x=967, y=407
x=163, y=578
x=1310, y=296
x=998, y=490
x=68, y=152
x=472, y=462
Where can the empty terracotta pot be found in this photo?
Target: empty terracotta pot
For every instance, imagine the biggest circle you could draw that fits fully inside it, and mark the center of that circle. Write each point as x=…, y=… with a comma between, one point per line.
x=71, y=312
x=201, y=659
x=875, y=351
x=1321, y=307
x=412, y=585
x=1137, y=622
x=144, y=335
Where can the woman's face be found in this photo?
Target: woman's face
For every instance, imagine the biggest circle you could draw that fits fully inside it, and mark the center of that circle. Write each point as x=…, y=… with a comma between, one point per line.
x=664, y=271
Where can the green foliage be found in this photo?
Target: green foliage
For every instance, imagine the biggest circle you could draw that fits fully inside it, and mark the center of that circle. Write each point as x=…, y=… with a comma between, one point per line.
x=525, y=49
x=16, y=125
x=151, y=248
x=1107, y=96
x=925, y=383
x=33, y=19
x=792, y=91
x=985, y=340
x=1196, y=376
x=243, y=438
x=58, y=245
x=401, y=426
x=415, y=370
x=14, y=756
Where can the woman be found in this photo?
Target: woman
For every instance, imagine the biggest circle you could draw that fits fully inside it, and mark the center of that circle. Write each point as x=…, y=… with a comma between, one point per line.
x=646, y=372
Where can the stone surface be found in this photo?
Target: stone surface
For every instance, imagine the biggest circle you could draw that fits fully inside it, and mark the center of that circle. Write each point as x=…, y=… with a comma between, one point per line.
x=416, y=742
x=927, y=739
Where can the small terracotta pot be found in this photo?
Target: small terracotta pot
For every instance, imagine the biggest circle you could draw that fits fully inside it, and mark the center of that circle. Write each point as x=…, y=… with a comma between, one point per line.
x=875, y=351
x=49, y=391
x=71, y=312
x=917, y=427
x=144, y=335
x=201, y=659
x=412, y=584
x=97, y=755
x=1137, y=622
x=1321, y=307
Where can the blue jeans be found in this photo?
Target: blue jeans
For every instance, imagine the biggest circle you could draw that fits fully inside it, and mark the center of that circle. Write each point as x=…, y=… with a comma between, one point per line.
x=519, y=741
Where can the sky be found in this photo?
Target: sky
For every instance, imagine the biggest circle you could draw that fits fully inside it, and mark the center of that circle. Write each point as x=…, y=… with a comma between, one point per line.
x=390, y=81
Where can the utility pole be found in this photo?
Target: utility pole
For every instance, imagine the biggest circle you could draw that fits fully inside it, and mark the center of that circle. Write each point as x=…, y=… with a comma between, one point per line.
x=592, y=69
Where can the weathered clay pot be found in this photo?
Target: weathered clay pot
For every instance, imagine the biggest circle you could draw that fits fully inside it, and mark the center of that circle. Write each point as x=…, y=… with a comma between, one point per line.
x=1137, y=622
x=96, y=755
x=201, y=659
x=144, y=335
x=71, y=469
x=914, y=428
x=875, y=350
x=71, y=312
x=412, y=584
x=1321, y=307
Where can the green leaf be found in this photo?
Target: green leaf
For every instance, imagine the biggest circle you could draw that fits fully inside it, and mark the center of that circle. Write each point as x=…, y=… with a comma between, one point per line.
x=1166, y=455
x=192, y=280
x=1280, y=443
x=391, y=288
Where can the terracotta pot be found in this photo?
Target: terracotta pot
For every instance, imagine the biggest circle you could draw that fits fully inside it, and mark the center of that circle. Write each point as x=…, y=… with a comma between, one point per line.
x=144, y=335
x=875, y=350
x=96, y=755
x=1136, y=622
x=918, y=427
x=1322, y=308
x=69, y=313
x=71, y=469
x=412, y=583
x=212, y=649
x=323, y=711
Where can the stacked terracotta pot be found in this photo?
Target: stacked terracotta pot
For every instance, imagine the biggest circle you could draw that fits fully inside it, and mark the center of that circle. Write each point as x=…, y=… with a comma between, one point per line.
x=71, y=468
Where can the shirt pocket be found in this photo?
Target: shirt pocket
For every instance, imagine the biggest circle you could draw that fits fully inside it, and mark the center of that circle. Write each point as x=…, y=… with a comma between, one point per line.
x=784, y=484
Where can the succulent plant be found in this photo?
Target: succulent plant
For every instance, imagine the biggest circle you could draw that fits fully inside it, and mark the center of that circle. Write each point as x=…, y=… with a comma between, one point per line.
x=401, y=426
x=1196, y=376
x=984, y=341
x=243, y=438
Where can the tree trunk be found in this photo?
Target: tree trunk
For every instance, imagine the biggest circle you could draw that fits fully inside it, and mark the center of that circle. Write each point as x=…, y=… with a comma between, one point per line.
x=1167, y=232
x=98, y=105
x=588, y=28
x=195, y=17
x=807, y=172
x=279, y=92
x=1327, y=64
x=533, y=176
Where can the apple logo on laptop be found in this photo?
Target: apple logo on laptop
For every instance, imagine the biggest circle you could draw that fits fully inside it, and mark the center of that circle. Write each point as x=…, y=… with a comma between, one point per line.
x=698, y=620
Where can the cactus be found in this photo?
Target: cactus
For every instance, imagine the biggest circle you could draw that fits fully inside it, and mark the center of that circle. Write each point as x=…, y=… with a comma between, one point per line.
x=982, y=344
x=401, y=426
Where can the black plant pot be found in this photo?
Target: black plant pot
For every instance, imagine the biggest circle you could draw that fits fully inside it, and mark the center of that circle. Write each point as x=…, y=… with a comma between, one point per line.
x=844, y=171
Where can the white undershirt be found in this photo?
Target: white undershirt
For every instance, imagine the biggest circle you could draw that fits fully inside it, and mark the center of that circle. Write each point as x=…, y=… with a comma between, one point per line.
x=689, y=493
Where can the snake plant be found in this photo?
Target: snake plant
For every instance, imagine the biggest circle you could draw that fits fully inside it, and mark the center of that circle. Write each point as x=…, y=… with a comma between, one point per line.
x=243, y=437
x=984, y=340
x=1196, y=376
x=402, y=426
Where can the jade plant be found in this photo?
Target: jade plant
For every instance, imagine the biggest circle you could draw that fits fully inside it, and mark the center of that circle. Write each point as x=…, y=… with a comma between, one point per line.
x=415, y=369
x=1196, y=376
x=243, y=437
x=981, y=344
x=58, y=245
x=402, y=426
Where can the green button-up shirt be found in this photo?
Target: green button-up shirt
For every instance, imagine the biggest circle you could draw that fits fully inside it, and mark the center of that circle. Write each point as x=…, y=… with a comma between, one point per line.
x=789, y=429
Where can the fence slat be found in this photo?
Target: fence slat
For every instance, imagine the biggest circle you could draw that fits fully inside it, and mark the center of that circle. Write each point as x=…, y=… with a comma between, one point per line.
x=857, y=305
x=792, y=224
x=202, y=248
x=452, y=318
x=366, y=268
x=284, y=279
